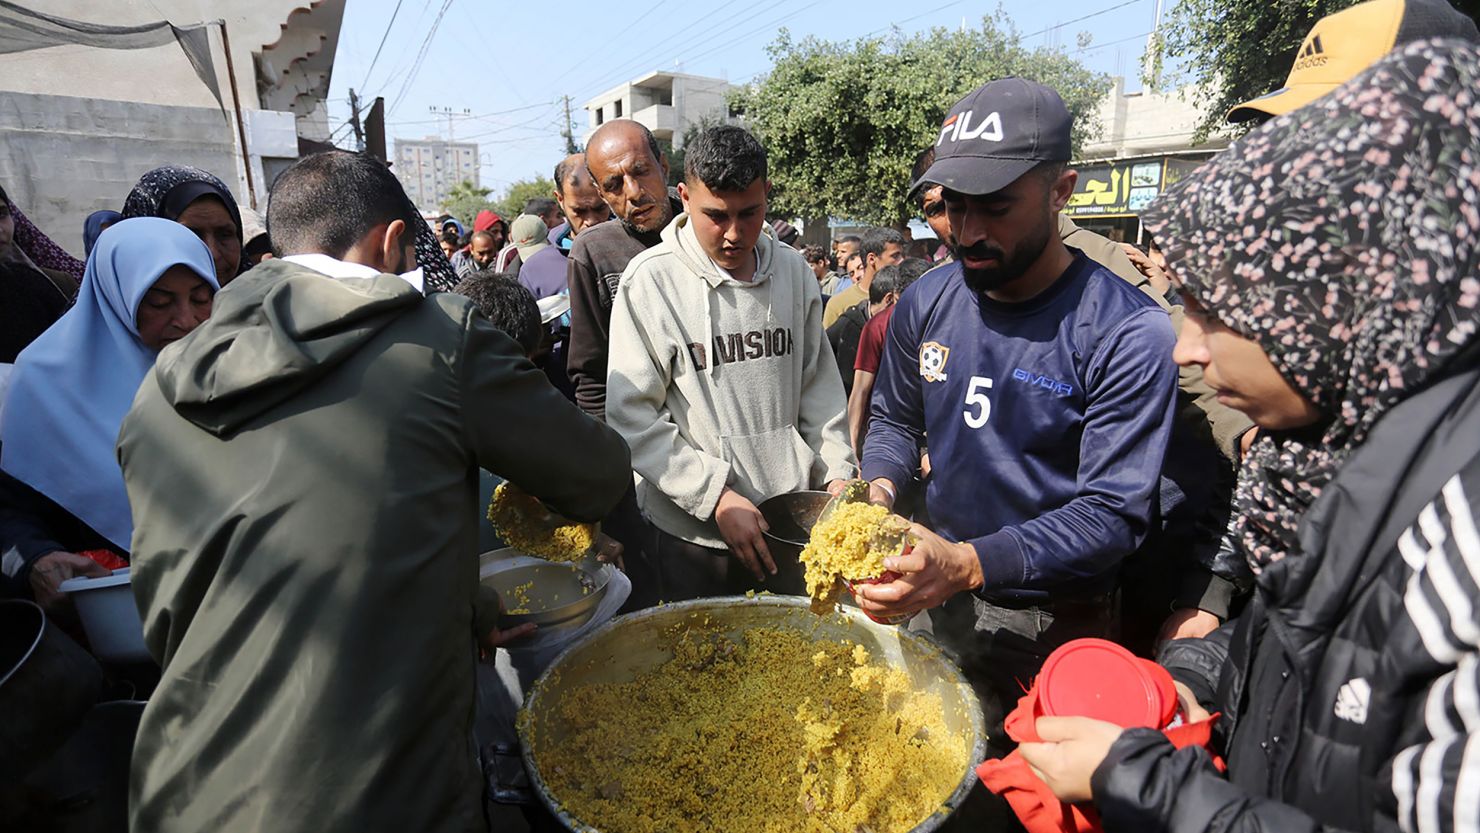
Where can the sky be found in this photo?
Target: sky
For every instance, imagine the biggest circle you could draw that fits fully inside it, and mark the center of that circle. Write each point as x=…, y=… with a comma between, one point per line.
x=502, y=69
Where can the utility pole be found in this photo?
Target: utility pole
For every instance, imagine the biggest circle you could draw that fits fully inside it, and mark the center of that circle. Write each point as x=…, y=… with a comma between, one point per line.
x=354, y=106
x=570, y=131
x=443, y=186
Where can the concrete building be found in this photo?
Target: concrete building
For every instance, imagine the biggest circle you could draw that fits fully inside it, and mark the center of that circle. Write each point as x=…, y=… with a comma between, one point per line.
x=1144, y=146
x=666, y=103
x=80, y=123
x=429, y=168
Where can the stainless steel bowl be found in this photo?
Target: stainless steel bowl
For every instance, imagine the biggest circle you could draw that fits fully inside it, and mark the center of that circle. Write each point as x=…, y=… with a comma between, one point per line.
x=559, y=594
x=791, y=516
x=630, y=645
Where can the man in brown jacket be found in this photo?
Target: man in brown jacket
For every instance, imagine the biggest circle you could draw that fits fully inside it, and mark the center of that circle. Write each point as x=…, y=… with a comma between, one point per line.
x=303, y=477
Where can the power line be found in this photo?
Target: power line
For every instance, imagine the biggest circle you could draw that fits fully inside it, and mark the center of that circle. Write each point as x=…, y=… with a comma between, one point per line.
x=421, y=55
x=1078, y=19
x=614, y=39
x=477, y=116
x=916, y=17
x=1094, y=46
x=645, y=58
x=764, y=27
x=382, y=43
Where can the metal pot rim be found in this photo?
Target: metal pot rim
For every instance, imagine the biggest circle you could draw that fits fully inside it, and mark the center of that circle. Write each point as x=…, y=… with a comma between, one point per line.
x=857, y=617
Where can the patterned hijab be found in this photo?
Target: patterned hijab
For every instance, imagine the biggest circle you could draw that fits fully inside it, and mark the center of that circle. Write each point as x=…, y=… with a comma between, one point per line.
x=437, y=274
x=168, y=190
x=38, y=247
x=1344, y=238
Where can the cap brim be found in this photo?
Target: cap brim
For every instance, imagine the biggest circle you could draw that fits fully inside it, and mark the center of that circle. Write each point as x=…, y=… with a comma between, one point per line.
x=974, y=175
x=1281, y=101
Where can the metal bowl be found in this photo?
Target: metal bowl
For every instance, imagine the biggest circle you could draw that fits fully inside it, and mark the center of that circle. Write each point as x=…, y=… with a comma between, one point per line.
x=791, y=516
x=630, y=645
x=560, y=594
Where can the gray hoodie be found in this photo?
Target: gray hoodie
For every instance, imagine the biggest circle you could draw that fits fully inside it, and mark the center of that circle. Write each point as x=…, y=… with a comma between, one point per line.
x=716, y=382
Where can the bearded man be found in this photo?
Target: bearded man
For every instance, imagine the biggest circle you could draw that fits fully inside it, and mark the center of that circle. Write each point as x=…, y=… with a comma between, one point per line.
x=1046, y=386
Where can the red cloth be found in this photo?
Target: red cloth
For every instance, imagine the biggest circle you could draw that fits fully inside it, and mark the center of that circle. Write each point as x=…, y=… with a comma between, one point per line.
x=1031, y=799
x=871, y=342
x=107, y=558
x=485, y=220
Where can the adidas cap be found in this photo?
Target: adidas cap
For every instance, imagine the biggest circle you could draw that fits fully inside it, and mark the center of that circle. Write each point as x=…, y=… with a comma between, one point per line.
x=996, y=134
x=1343, y=44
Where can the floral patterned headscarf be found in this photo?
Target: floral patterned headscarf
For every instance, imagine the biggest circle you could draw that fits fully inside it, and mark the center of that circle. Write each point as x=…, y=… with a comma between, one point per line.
x=1342, y=238
x=38, y=247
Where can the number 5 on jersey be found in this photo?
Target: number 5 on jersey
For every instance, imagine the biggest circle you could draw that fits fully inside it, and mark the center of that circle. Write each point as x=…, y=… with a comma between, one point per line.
x=978, y=406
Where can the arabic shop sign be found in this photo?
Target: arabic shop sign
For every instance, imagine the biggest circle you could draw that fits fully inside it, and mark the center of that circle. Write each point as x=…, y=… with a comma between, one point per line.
x=1124, y=189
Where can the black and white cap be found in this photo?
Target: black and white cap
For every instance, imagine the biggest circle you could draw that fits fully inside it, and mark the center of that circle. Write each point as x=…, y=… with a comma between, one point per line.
x=997, y=133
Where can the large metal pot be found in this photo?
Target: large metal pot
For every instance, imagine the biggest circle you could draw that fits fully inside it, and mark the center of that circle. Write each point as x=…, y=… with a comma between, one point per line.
x=47, y=684
x=632, y=644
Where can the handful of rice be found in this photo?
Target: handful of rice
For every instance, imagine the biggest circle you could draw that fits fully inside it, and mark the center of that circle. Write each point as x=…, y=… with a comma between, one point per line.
x=526, y=525
x=850, y=544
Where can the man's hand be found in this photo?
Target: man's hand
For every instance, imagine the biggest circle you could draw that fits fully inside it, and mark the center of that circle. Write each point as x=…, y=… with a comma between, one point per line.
x=742, y=526
x=1155, y=272
x=1187, y=623
x=50, y=570
x=1072, y=749
x=932, y=572
x=835, y=487
x=609, y=551
x=499, y=637
x=1246, y=441
x=881, y=491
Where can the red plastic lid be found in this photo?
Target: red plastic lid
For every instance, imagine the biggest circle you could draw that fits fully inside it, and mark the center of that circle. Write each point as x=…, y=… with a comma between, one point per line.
x=1099, y=679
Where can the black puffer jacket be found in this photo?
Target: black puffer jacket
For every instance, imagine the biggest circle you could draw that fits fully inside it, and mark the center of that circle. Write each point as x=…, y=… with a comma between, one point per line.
x=1351, y=684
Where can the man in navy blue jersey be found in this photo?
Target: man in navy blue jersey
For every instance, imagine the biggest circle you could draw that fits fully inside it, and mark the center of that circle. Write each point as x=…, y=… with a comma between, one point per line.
x=1047, y=390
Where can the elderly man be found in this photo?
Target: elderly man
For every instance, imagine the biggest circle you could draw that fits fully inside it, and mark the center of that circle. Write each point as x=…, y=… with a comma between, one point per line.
x=304, y=473
x=631, y=172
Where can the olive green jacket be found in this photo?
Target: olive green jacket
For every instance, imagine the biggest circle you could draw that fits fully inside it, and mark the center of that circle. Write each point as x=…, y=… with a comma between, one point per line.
x=1225, y=425
x=303, y=476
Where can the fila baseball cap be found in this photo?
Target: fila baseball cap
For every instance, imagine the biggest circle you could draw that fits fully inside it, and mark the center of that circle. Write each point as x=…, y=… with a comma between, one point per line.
x=1343, y=44
x=997, y=133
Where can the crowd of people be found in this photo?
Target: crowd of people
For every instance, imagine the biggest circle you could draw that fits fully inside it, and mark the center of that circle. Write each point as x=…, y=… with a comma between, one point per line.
x=1249, y=450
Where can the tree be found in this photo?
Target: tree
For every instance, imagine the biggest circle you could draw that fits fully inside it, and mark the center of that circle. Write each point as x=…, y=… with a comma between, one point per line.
x=465, y=200
x=1235, y=50
x=843, y=123
x=511, y=204
x=690, y=133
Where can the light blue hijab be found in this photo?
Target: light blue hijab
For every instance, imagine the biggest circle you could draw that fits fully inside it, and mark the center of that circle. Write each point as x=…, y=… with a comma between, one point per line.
x=73, y=385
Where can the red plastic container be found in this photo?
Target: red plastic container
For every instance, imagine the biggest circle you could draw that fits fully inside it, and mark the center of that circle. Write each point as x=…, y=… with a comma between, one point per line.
x=1099, y=679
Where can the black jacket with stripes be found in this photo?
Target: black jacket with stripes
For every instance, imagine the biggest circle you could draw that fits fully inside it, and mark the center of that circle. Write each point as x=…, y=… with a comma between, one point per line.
x=1350, y=686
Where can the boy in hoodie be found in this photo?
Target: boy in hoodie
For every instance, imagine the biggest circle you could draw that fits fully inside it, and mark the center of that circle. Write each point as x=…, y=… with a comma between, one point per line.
x=720, y=378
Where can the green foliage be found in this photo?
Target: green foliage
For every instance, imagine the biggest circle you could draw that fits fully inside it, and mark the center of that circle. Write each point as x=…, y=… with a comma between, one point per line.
x=465, y=200
x=1235, y=49
x=675, y=157
x=843, y=122
x=511, y=204
x=1239, y=49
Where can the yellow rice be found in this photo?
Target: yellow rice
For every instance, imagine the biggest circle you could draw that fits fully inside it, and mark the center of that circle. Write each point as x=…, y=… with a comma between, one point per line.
x=777, y=734
x=526, y=525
